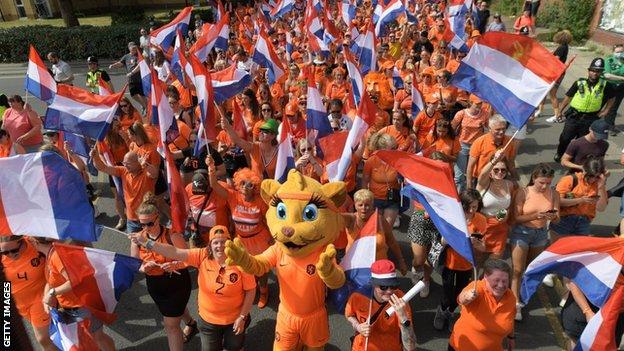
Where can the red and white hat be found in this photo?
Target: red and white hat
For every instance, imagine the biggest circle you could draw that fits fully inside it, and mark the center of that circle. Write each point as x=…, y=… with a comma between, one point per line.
x=383, y=273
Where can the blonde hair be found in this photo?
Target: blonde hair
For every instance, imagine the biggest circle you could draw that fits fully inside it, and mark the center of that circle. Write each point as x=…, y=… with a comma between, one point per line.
x=301, y=143
x=380, y=141
x=363, y=195
x=148, y=206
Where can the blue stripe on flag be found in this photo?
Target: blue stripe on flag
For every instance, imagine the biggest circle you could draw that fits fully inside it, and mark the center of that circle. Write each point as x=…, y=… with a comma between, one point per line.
x=123, y=273
x=455, y=237
x=73, y=213
x=515, y=110
x=59, y=120
x=39, y=90
x=224, y=92
x=593, y=288
x=358, y=280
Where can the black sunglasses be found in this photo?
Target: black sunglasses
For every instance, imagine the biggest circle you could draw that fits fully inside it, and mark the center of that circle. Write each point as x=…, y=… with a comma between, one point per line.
x=384, y=287
x=13, y=251
x=148, y=224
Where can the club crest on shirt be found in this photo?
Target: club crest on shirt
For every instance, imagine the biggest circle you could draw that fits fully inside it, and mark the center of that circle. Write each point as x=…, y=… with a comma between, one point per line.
x=311, y=269
x=233, y=277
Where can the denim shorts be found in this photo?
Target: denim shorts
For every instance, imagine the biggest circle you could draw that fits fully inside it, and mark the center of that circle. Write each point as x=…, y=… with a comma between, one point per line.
x=385, y=204
x=571, y=225
x=528, y=237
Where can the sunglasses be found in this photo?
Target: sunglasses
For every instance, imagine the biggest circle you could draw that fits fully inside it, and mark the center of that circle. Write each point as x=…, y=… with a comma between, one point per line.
x=122, y=106
x=499, y=170
x=148, y=224
x=13, y=251
x=266, y=110
x=306, y=149
x=385, y=288
x=247, y=185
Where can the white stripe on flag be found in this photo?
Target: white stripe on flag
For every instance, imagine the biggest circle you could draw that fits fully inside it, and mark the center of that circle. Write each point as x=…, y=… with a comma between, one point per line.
x=25, y=195
x=518, y=79
x=601, y=265
x=103, y=262
x=446, y=207
x=361, y=254
x=85, y=112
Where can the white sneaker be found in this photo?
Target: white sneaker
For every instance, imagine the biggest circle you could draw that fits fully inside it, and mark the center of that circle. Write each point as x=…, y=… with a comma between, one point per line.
x=552, y=119
x=425, y=291
x=518, y=312
x=549, y=280
x=537, y=114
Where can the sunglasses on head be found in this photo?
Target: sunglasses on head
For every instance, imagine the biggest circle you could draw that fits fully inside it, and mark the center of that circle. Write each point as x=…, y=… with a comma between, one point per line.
x=13, y=251
x=385, y=287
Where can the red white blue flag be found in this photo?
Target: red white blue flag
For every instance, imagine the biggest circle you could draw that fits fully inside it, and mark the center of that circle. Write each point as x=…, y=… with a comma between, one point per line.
x=39, y=81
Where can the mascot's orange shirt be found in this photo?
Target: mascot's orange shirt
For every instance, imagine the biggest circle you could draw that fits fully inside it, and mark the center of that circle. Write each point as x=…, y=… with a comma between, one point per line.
x=302, y=291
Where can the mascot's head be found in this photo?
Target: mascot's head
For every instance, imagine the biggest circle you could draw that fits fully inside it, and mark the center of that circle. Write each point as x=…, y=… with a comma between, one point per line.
x=303, y=214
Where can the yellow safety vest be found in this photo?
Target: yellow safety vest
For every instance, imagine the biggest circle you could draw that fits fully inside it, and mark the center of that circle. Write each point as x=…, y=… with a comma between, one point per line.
x=92, y=81
x=586, y=99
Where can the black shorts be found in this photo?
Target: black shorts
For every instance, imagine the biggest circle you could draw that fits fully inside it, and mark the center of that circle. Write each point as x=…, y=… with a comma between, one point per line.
x=221, y=337
x=135, y=89
x=170, y=292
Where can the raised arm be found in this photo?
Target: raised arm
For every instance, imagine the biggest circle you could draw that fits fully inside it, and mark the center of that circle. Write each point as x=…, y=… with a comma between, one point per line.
x=242, y=143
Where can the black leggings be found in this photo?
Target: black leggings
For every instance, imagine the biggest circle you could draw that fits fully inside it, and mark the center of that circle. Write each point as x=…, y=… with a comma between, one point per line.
x=453, y=282
x=216, y=337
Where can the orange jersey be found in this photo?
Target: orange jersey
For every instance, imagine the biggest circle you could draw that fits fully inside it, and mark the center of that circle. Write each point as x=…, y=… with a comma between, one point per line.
x=485, y=322
x=135, y=186
x=265, y=169
x=454, y=261
x=447, y=146
x=182, y=142
x=382, y=177
x=26, y=274
x=337, y=91
x=302, y=292
x=147, y=150
x=423, y=124
x=483, y=149
x=55, y=279
x=214, y=211
x=249, y=224
x=125, y=121
x=385, y=331
x=582, y=189
x=472, y=127
x=221, y=289
x=402, y=137
x=149, y=255
x=117, y=151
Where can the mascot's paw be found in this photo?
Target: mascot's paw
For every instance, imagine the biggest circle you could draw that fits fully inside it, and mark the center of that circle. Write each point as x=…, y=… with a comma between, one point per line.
x=235, y=252
x=326, y=260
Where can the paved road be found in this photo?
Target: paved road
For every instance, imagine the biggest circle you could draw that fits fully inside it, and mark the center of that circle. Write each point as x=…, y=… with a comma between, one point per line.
x=139, y=326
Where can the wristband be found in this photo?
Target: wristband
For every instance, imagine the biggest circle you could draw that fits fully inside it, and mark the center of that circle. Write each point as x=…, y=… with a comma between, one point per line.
x=150, y=244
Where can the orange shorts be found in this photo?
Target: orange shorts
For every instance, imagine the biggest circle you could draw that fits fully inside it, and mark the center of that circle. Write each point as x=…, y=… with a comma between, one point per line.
x=291, y=331
x=495, y=235
x=256, y=244
x=34, y=313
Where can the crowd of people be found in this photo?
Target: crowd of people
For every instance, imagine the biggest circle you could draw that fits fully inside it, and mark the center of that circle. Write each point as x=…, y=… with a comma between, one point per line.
x=505, y=217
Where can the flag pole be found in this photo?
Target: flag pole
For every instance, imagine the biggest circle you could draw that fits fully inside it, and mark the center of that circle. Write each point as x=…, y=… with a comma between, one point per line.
x=370, y=309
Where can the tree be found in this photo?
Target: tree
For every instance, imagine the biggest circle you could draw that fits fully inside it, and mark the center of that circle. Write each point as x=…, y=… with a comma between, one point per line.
x=67, y=12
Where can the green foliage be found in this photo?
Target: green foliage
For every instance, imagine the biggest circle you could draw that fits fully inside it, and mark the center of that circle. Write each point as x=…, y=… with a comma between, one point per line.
x=127, y=15
x=507, y=7
x=76, y=43
x=572, y=15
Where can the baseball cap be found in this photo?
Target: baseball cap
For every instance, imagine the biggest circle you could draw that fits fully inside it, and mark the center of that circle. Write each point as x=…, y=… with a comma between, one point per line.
x=383, y=273
x=92, y=59
x=270, y=126
x=600, y=127
x=218, y=231
x=291, y=109
x=199, y=184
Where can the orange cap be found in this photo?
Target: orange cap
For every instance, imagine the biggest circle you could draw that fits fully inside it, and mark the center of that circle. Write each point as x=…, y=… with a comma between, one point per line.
x=475, y=99
x=291, y=109
x=296, y=55
x=432, y=98
x=475, y=33
x=429, y=71
x=387, y=65
x=218, y=231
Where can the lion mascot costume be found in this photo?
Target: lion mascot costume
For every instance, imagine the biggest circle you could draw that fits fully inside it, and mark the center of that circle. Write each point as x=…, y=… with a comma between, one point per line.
x=304, y=220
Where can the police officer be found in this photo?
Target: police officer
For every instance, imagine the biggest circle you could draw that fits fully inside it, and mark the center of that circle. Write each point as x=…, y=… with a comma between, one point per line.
x=614, y=73
x=589, y=100
x=93, y=74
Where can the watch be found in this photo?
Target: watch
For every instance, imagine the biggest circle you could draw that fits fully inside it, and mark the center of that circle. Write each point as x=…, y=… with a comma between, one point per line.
x=406, y=323
x=52, y=292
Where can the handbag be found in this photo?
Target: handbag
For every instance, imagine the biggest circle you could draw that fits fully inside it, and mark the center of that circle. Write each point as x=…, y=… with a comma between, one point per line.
x=436, y=254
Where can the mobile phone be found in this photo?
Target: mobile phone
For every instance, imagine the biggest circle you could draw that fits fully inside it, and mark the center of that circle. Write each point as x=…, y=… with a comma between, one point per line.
x=551, y=211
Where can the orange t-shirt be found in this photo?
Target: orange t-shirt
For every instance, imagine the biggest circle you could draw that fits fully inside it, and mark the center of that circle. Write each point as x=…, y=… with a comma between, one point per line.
x=337, y=91
x=404, y=142
x=221, y=289
x=447, y=146
x=382, y=177
x=483, y=148
x=423, y=124
x=26, y=274
x=117, y=151
x=213, y=213
x=135, y=186
x=472, y=127
x=125, y=121
x=182, y=142
x=149, y=150
x=582, y=189
x=265, y=170
x=55, y=279
x=147, y=255
x=485, y=322
x=302, y=291
x=456, y=262
x=247, y=216
x=385, y=331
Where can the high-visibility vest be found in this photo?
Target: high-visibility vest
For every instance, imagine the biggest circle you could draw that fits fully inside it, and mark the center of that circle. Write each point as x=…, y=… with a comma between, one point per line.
x=586, y=99
x=92, y=81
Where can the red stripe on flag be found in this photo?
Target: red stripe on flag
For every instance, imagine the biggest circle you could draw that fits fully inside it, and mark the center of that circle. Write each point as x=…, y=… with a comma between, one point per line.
x=82, y=277
x=178, y=196
x=529, y=52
